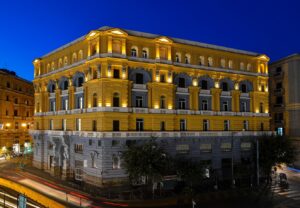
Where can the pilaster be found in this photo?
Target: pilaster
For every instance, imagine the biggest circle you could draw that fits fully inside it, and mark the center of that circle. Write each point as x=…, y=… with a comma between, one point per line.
x=216, y=92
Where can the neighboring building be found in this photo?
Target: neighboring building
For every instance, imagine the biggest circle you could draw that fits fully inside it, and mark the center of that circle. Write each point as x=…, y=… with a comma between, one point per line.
x=16, y=112
x=112, y=87
x=285, y=97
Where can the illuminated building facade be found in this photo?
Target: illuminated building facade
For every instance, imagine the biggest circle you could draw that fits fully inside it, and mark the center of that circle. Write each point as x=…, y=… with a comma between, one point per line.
x=16, y=112
x=112, y=87
x=285, y=97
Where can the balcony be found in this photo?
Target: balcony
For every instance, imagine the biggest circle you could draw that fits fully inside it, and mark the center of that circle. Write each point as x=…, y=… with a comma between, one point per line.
x=50, y=113
x=61, y=112
x=206, y=112
x=226, y=113
x=79, y=89
x=162, y=111
x=182, y=90
x=76, y=111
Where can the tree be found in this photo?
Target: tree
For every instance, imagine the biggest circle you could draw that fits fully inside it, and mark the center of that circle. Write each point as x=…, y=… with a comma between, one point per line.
x=274, y=150
x=191, y=172
x=147, y=160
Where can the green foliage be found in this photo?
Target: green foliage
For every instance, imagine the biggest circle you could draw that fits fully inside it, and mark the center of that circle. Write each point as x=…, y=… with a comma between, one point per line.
x=274, y=150
x=147, y=159
x=192, y=172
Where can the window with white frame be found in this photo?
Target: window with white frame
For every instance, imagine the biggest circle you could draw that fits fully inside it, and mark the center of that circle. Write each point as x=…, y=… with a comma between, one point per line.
x=242, y=66
x=178, y=57
x=201, y=60
x=182, y=103
x=145, y=53
x=245, y=125
x=223, y=63
x=133, y=52
x=210, y=61
x=51, y=124
x=183, y=125
x=187, y=59
x=140, y=124
x=139, y=101
x=205, y=125
x=225, y=106
x=249, y=67
x=204, y=105
x=230, y=64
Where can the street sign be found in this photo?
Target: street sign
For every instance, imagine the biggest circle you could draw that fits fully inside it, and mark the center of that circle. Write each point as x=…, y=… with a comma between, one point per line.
x=22, y=201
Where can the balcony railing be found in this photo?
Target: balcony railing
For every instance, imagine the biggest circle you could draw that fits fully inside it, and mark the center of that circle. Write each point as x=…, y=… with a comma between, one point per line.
x=140, y=110
x=140, y=86
x=64, y=92
x=205, y=92
x=183, y=90
x=225, y=93
x=79, y=89
x=245, y=95
x=52, y=95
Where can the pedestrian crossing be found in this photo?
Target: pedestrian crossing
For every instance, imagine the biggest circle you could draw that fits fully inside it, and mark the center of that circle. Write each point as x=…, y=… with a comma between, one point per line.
x=287, y=197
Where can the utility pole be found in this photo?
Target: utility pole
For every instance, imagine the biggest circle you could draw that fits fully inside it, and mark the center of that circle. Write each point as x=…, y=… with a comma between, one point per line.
x=257, y=161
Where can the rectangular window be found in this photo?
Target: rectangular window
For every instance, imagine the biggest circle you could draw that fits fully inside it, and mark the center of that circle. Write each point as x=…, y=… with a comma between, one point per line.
x=162, y=126
x=115, y=143
x=205, y=125
x=116, y=73
x=94, y=125
x=139, y=101
x=244, y=107
x=17, y=125
x=90, y=142
x=205, y=148
x=182, y=149
x=204, y=105
x=225, y=106
x=261, y=126
x=246, y=125
x=139, y=78
x=64, y=124
x=78, y=124
x=261, y=107
x=183, y=125
x=51, y=124
x=15, y=112
x=182, y=103
x=116, y=125
x=278, y=85
x=162, y=78
x=6, y=113
x=226, y=146
x=78, y=148
x=99, y=143
x=139, y=124
x=226, y=125
x=246, y=146
x=204, y=85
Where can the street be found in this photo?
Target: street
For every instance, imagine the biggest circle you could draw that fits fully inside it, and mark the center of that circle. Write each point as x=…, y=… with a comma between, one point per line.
x=290, y=197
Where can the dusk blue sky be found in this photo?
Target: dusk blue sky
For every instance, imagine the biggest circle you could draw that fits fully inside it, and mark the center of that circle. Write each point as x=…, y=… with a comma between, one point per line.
x=30, y=29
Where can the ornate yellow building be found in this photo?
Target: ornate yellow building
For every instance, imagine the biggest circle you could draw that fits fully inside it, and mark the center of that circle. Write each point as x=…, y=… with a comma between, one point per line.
x=16, y=114
x=114, y=86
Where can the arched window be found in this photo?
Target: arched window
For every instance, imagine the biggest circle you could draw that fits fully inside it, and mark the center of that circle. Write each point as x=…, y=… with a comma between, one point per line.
x=65, y=61
x=177, y=58
x=204, y=84
x=133, y=52
x=95, y=100
x=249, y=67
x=230, y=64
x=210, y=61
x=187, y=59
x=225, y=86
x=244, y=88
x=60, y=63
x=162, y=102
x=262, y=68
x=80, y=81
x=116, y=100
x=74, y=58
x=80, y=55
x=201, y=60
x=48, y=67
x=65, y=85
x=261, y=107
x=242, y=66
x=116, y=162
x=52, y=66
x=223, y=63
x=145, y=53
